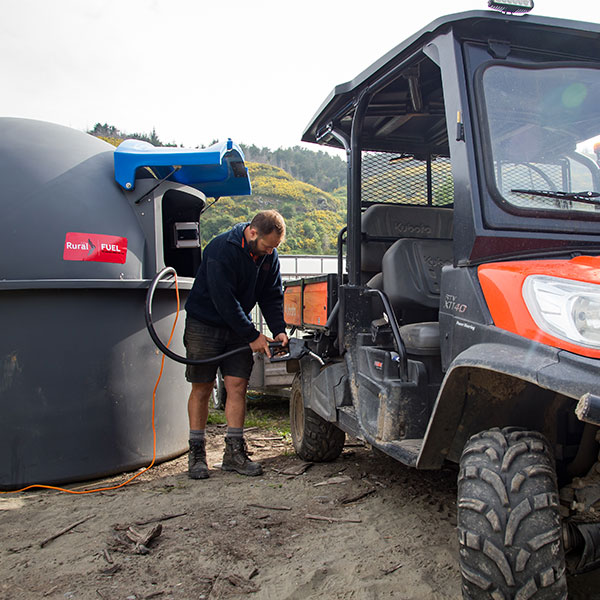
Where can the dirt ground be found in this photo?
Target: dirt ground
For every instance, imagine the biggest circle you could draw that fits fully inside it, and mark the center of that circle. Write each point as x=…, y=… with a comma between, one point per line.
x=361, y=527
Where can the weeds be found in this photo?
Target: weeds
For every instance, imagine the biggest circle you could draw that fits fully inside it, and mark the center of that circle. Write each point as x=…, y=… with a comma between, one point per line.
x=266, y=412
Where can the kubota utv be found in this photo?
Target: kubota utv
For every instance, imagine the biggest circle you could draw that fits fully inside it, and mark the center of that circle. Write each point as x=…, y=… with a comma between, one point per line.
x=467, y=325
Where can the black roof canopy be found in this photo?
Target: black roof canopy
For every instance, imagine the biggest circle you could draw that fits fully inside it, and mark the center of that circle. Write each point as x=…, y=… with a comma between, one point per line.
x=406, y=111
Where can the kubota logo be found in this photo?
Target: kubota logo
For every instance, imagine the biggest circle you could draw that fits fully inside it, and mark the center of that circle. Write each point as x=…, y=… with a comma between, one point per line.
x=95, y=247
x=412, y=229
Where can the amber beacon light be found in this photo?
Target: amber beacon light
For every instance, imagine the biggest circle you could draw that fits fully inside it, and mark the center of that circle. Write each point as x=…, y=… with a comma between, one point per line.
x=514, y=6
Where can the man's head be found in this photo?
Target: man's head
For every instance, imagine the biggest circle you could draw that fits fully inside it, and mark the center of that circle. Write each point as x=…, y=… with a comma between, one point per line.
x=265, y=232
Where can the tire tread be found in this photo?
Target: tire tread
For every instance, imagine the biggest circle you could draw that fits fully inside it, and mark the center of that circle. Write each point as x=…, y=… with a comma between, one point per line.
x=320, y=441
x=508, y=522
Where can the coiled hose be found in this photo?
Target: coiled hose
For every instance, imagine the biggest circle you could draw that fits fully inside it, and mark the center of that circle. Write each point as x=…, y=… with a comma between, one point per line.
x=150, y=325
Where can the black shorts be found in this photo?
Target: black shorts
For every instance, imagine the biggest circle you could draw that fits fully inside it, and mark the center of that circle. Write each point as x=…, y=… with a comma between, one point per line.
x=204, y=341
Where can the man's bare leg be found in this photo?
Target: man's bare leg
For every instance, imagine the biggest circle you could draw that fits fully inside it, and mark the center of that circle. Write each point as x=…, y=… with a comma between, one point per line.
x=198, y=404
x=235, y=407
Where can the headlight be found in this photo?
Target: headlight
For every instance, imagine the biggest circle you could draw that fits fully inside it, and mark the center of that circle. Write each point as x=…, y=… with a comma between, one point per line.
x=569, y=310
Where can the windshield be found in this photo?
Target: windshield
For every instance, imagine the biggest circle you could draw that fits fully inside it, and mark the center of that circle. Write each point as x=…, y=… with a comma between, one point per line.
x=542, y=126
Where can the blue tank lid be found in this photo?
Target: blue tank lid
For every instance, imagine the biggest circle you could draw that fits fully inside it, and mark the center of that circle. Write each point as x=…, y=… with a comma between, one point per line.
x=216, y=171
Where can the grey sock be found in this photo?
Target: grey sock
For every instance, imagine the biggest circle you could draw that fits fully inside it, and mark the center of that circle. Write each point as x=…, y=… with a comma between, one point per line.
x=235, y=432
x=197, y=435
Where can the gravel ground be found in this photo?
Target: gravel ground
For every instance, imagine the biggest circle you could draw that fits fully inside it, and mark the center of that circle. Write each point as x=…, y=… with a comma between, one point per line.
x=361, y=527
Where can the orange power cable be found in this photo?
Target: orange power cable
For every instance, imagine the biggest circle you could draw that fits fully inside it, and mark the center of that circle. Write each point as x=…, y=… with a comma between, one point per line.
x=115, y=487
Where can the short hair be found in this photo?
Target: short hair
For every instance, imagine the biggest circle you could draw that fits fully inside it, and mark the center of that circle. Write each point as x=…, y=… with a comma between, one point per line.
x=268, y=221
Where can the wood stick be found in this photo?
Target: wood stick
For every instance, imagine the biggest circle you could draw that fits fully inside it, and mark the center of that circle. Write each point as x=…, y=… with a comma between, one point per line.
x=270, y=507
x=332, y=519
x=358, y=496
x=388, y=571
x=111, y=570
x=333, y=481
x=107, y=556
x=157, y=519
x=47, y=593
x=15, y=550
x=65, y=530
x=143, y=538
x=294, y=469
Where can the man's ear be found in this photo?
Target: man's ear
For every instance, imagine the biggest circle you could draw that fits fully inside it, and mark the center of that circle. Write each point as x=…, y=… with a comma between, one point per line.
x=252, y=233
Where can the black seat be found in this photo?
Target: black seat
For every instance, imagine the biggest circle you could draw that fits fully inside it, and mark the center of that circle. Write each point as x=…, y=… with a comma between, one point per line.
x=412, y=272
x=399, y=221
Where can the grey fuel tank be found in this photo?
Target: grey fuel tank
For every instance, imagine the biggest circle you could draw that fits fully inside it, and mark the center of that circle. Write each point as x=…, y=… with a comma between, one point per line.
x=77, y=253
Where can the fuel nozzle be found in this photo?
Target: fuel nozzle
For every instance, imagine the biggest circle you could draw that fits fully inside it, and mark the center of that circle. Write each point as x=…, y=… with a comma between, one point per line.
x=295, y=350
x=277, y=349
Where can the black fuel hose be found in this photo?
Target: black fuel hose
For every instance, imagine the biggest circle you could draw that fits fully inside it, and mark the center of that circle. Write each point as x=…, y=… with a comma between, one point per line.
x=169, y=353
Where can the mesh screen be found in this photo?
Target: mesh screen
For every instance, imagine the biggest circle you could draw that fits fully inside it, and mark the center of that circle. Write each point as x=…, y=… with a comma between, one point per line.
x=390, y=177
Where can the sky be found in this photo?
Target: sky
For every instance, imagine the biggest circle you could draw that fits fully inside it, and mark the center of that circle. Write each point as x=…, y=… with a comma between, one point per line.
x=198, y=71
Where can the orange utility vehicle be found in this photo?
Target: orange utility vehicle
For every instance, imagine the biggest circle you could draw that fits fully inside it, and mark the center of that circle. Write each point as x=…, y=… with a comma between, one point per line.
x=467, y=326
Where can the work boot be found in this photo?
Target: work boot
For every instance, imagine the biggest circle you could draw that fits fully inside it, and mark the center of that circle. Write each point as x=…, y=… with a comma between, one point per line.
x=197, y=468
x=235, y=458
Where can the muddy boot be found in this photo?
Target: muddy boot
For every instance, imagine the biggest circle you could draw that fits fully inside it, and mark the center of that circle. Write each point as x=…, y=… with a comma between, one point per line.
x=197, y=468
x=235, y=458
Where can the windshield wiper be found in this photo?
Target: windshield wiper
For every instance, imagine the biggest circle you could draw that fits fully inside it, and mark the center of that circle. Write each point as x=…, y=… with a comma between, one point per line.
x=585, y=197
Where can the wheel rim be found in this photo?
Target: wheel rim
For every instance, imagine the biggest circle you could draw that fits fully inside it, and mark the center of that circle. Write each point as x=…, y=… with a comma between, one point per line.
x=298, y=415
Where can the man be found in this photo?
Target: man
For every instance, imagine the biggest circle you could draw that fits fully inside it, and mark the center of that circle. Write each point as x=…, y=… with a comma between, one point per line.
x=239, y=269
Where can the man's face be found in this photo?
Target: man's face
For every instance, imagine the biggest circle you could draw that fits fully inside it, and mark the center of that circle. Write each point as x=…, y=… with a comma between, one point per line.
x=261, y=245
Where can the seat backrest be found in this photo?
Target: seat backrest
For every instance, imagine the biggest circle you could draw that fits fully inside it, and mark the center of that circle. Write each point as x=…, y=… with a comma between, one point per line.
x=412, y=272
x=400, y=221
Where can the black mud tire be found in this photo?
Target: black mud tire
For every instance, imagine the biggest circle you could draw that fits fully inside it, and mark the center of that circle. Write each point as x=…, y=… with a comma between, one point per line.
x=219, y=393
x=509, y=526
x=314, y=439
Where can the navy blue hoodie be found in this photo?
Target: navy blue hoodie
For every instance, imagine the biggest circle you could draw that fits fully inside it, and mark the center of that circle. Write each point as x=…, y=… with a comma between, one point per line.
x=229, y=283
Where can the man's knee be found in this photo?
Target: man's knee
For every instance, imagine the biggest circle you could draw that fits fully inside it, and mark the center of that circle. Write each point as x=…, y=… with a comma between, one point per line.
x=201, y=391
x=235, y=385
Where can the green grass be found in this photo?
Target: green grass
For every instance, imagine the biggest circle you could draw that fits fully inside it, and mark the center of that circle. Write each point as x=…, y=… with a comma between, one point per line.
x=266, y=412
x=216, y=417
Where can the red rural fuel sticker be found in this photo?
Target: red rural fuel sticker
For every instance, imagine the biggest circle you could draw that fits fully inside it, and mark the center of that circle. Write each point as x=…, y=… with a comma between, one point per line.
x=95, y=247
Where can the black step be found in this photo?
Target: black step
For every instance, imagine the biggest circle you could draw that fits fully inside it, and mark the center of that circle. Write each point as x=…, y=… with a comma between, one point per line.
x=347, y=421
x=406, y=451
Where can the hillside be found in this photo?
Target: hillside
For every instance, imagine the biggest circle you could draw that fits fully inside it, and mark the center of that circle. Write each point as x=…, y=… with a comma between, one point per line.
x=313, y=217
x=311, y=166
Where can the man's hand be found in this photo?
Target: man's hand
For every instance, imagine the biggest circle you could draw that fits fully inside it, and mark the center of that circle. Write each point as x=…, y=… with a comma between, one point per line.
x=261, y=344
x=283, y=338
